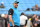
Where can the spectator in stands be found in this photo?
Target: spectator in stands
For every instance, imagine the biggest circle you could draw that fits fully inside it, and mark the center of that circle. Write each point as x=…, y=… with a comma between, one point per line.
x=28, y=9
x=36, y=8
x=39, y=8
x=33, y=8
x=23, y=19
x=2, y=6
x=33, y=19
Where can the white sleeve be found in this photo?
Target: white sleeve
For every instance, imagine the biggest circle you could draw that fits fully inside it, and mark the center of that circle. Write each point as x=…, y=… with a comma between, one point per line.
x=26, y=18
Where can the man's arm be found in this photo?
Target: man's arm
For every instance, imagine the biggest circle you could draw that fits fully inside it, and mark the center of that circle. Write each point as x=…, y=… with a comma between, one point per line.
x=26, y=19
x=10, y=16
x=31, y=24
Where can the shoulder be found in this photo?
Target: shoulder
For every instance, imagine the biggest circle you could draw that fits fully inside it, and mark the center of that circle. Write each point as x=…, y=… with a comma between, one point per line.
x=10, y=9
x=10, y=12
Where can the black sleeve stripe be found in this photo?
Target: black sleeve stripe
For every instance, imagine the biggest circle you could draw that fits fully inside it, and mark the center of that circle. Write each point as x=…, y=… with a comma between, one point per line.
x=10, y=12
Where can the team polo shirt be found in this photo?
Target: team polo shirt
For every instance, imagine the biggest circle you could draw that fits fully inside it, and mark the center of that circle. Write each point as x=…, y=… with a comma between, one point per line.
x=15, y=16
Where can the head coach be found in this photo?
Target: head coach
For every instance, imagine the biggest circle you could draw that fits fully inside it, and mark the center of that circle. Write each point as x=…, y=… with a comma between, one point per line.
x=14, y=17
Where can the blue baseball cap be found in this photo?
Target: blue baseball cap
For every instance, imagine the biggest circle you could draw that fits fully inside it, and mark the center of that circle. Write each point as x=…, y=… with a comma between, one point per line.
x=16, y=2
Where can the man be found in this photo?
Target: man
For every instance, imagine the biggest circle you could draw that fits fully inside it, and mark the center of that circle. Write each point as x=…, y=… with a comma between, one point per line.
x=6, y=20
x=36, y=22
x=2, y=6
x=32, y=20
x=23, y=19
x=36, y=8
x=14, y=17
x=33, y=8
x=27, y=9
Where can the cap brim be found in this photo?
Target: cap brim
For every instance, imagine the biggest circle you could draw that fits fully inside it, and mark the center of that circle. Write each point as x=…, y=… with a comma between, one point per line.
x=17, y=2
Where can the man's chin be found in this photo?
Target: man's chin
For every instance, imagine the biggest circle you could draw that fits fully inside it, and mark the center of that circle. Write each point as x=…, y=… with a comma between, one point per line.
x=15, y=7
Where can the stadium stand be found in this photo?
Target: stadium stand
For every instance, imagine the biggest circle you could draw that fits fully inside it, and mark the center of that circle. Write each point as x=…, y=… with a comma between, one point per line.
x=23, y=5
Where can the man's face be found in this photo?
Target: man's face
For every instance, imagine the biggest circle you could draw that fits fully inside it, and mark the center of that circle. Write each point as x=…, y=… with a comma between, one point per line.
x=34, y=15
x=15, y=5
x=36, y=19
x=36, y=6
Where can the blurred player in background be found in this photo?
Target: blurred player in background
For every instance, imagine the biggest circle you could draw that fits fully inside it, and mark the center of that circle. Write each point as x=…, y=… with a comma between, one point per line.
x=6, y=20
x=32, y=20
x=23, y=19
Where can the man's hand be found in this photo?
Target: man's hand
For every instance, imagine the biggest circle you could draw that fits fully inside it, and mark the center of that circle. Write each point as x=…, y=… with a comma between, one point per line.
x=13, y=25
x=32, y=26
x=24, y=26
x=10, y=18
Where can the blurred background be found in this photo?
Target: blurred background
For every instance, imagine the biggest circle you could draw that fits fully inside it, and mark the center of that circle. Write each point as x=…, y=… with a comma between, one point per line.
x=28, y=7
